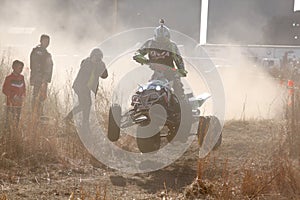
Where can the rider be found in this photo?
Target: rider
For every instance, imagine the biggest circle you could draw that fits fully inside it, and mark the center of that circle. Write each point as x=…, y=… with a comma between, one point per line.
x=162, y=51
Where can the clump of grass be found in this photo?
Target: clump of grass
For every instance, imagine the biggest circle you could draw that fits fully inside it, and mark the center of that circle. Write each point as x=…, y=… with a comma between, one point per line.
x=280, y=177
x=286, y=176
x=255, y=183
x=3, y=197
x=202, y=189
x=275, y=175
x=99, y=193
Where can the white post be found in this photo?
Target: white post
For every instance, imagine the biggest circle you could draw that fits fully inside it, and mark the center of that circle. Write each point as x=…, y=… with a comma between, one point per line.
x=203, y=21
x=115, y=16
x=296, y=5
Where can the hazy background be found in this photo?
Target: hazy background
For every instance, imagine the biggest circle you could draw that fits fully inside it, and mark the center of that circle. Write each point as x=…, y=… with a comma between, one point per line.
x=75, y=27
x=244, y=22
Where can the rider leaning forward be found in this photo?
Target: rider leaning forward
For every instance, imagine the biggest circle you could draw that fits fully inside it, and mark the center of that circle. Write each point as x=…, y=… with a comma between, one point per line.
x=161, y=50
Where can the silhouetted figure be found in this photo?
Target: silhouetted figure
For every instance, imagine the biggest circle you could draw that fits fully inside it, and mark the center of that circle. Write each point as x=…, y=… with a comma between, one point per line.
x=41, y=66
x=87, y=80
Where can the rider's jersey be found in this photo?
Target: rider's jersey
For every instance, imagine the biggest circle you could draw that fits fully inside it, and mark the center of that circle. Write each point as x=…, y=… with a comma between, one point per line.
x=165, y=54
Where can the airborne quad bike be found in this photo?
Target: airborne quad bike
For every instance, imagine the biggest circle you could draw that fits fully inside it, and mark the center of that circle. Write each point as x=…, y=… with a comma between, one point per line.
x=159, y=92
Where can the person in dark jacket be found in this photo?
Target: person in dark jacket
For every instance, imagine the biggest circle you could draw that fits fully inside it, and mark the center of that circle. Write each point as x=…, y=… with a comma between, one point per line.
x=14, y=90
x=41, y=66
x=162, y=51
x=87, y=81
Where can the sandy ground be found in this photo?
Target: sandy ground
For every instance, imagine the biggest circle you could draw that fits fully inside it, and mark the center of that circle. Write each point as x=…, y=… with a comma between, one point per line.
x=249, y=143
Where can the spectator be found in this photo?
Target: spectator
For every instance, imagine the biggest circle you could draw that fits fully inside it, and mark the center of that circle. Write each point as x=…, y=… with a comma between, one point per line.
x=87, y=80
x=14, y=89
x=41, y=66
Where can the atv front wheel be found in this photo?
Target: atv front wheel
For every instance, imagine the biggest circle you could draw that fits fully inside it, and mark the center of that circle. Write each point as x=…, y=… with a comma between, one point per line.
x=148, y=144
x=114, y=120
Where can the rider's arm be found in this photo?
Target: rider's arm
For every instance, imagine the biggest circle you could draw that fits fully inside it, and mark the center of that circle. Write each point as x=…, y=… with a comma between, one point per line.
x=178, y=60
x=177, y=57
x=141, y=53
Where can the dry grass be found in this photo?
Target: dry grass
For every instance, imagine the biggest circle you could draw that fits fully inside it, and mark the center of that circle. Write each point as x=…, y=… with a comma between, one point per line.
x=39, y=141
x=279, y=180
x=274, y=174
x=35, y=144
x=3, y=197
x=100, y=193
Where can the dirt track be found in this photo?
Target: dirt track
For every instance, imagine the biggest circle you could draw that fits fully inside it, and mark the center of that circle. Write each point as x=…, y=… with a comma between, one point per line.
x=245, y=144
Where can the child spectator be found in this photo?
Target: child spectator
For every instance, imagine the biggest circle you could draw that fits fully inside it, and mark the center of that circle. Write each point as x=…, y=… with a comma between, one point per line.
x=14, y=89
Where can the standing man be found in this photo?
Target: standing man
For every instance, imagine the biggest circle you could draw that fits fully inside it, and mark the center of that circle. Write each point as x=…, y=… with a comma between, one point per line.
x=41, y=66
x=87, y=81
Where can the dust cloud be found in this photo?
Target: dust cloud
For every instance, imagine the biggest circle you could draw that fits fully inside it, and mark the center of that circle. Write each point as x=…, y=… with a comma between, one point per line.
x=251, y=93
x=75, y=27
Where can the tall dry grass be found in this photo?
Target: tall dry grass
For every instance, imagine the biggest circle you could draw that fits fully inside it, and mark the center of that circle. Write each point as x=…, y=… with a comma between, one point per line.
x=278, y=179
x=48, y=139
x=275, y=177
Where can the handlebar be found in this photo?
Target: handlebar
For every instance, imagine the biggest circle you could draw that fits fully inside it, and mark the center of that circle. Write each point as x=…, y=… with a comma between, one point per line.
x=160, y=67
x=165, y=69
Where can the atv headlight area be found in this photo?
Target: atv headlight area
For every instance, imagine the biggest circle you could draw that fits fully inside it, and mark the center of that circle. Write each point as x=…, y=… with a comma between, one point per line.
x=158, y=88
x=135, y=99
x=141, y=89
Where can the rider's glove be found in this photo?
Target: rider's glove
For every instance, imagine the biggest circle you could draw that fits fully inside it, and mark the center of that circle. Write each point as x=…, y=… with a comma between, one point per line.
x=140, y=59
x=182, y=72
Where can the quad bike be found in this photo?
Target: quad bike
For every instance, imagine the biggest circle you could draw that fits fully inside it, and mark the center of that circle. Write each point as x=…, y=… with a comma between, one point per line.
x=159, y=92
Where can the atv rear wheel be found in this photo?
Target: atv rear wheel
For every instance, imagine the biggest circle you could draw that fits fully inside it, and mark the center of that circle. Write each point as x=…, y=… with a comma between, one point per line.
x=211, y=123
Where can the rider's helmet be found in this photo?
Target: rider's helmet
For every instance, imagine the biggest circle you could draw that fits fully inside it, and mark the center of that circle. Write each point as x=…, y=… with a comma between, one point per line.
x=162, y=33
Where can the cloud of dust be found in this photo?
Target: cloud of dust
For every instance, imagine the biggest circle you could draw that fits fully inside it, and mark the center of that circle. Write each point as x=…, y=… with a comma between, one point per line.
x=74, y=27
x=251, y=93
